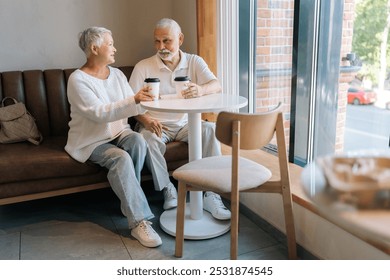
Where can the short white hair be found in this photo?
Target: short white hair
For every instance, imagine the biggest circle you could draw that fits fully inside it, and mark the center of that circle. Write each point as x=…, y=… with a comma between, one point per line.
x=168, y=23
x=92, y=36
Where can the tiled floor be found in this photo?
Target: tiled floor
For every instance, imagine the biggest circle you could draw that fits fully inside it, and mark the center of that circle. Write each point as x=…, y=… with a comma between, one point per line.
x=90, y=226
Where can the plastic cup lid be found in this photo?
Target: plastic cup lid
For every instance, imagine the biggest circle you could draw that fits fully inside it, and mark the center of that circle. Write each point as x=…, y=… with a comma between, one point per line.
x=152, y=80
x=182, y=79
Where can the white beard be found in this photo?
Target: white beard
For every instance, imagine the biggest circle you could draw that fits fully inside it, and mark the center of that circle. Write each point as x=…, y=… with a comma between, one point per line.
x=166, y=55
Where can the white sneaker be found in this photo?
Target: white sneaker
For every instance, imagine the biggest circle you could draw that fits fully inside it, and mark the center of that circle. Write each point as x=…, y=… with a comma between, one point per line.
x=212, y=203
x=170, y=197
x=146, y=235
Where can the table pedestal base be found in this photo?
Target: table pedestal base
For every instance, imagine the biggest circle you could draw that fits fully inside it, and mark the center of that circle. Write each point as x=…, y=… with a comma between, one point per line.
x=204, y=228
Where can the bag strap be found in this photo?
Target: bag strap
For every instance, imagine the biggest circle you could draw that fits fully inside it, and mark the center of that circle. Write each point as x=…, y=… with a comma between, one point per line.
x=35, y=141
x=8, y=97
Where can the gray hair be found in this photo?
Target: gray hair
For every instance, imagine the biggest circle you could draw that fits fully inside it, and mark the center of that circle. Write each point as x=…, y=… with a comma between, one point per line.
x=168, y=23
x=92, y=36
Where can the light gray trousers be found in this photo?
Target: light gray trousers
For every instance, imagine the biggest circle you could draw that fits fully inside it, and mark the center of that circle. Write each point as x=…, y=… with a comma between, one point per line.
x=124, y=158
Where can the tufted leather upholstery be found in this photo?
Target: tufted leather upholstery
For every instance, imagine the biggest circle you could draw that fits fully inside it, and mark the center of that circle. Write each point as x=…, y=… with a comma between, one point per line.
x=28, y=171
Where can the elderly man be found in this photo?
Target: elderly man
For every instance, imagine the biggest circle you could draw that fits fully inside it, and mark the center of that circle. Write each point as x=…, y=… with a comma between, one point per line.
x=160, y=128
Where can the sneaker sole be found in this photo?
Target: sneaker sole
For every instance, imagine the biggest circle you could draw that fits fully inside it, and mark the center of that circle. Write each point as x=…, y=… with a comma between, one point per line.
x=218, y=218
x=147, y=244
x=170, y=205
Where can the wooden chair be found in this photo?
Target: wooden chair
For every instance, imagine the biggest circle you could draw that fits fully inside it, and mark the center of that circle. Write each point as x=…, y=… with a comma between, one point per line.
x=233, y=174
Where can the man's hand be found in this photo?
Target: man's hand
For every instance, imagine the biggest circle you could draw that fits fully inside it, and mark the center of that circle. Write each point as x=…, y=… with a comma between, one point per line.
x=143, y=95
x=193, y=91
x=154, y=126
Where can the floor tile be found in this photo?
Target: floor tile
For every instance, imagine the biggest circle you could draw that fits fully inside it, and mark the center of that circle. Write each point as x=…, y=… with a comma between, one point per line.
x=274, y=252
x=91, y=226
x=10, y=246
x=72, y=240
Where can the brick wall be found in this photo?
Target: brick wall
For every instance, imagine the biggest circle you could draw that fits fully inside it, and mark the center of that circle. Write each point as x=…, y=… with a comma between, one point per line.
x=274, y=56
x=345, y=77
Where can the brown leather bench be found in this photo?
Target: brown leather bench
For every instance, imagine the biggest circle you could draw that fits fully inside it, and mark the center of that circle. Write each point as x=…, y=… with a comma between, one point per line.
x=30, y=172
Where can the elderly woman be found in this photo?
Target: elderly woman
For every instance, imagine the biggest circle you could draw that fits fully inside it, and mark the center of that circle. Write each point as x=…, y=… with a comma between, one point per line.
x=101, y=101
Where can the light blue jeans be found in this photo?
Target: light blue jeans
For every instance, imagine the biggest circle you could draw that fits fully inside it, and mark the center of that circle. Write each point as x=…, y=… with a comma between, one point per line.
x=124, y=158
x=157, y=146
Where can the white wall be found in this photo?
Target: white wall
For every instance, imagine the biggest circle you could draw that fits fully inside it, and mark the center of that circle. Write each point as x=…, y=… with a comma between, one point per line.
x=42, y=34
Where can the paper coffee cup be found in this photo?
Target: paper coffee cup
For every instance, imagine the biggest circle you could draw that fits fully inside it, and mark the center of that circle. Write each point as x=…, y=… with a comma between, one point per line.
x=154, y=84
x=181, y=83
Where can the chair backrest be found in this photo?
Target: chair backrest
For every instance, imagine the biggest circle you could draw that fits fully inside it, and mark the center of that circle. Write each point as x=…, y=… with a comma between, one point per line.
x=256, y=130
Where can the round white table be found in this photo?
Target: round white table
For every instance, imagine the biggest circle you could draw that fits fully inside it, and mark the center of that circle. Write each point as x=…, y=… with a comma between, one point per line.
x=199, y=224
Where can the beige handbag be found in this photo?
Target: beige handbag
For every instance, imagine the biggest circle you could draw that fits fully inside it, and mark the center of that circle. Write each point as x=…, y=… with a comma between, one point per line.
x=17, y=124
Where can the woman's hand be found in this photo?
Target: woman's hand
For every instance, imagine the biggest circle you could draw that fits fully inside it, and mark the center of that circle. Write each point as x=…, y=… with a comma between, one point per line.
x=143, y=95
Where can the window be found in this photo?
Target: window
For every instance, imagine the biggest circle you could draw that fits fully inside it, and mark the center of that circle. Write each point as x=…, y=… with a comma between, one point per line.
x=273, y=60
x=305, y=58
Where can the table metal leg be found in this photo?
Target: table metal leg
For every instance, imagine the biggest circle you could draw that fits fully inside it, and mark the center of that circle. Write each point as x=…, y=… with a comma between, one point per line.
x=195, y=152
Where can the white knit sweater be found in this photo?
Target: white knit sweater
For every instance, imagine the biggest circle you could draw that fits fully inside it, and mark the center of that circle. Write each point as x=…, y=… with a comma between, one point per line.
x=99, y=110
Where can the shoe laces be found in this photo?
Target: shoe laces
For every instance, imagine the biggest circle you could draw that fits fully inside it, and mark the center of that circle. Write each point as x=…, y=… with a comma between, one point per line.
x=169, y=193
x=217, y=201
x=146, y=227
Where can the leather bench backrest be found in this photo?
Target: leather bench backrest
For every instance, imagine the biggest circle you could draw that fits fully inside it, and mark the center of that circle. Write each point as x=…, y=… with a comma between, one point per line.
x=44, y=93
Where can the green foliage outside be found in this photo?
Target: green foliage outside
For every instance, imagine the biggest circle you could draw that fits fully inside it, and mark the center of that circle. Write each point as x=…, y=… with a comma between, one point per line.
x=370, y=21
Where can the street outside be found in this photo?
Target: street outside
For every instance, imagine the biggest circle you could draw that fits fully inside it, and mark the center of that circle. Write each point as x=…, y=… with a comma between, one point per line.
x=368, y=126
